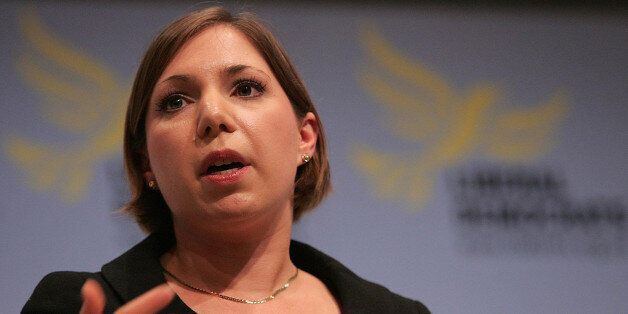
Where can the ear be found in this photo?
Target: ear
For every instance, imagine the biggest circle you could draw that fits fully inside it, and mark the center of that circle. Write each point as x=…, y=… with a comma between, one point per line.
x=148, y=173
x=308, y=135
x=148, y=176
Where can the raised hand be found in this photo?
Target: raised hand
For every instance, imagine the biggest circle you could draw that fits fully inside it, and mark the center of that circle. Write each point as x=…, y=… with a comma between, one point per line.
x=150, y=302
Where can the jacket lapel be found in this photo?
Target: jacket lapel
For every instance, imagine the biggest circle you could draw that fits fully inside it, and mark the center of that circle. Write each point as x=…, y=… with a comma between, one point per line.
x=138, y=270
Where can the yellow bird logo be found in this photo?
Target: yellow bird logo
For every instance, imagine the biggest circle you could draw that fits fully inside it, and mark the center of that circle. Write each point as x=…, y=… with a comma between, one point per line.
x=448, y=126
x=82, y=99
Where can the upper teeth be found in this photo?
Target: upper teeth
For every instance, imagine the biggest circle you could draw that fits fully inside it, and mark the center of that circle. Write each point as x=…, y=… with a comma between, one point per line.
x=220, y=163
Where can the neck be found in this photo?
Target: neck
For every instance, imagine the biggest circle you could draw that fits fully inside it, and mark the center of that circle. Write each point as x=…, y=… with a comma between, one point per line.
x=249, y=260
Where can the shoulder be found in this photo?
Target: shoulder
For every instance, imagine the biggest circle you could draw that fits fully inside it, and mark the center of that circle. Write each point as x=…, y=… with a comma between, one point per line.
x=364, y=296
x=368, y=295
x=123, y=279
x=58, y=292
x=354, y=293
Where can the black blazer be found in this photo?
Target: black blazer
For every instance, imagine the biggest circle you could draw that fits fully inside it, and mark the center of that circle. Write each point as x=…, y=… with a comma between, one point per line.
x=138, y=270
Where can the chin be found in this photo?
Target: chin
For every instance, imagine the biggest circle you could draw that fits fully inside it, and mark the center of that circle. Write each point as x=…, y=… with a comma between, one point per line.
x=233, y=207
x=231, y=214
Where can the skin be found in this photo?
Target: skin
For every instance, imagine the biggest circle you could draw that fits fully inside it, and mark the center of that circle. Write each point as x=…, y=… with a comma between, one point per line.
x=211, y=115
x=218, y=93
x=149, y=302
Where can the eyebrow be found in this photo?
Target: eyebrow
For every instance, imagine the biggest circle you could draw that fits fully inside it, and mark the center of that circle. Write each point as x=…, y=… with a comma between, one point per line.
x=230, y=70
x=237, y=68
x=182, y=78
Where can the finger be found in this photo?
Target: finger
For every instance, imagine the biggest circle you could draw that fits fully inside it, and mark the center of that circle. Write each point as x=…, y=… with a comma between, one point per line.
x=93, y=298
x=149, y=302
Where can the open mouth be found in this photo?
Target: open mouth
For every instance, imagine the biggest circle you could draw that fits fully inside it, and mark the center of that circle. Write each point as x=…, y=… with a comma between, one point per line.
x=224, y=168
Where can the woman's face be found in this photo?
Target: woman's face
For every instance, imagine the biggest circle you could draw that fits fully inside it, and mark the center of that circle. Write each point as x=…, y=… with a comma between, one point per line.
x=223, y=141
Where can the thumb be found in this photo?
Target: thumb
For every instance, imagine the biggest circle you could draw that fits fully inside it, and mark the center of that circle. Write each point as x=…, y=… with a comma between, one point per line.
x=93, y=298
x=149, y=302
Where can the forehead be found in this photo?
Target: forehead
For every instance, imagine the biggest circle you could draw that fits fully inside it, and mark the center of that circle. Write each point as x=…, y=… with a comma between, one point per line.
x=213, y=49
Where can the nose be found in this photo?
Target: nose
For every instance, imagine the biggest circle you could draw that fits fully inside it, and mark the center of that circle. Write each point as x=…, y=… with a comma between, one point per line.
x=214, y=117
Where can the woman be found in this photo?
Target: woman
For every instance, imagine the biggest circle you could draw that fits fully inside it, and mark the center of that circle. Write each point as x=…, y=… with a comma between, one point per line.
x=224, y=150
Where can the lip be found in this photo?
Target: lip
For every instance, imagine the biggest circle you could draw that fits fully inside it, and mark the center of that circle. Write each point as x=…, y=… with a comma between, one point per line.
x=222, y=156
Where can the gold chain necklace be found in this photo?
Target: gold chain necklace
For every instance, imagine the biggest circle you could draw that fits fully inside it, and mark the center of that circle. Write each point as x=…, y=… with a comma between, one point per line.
x=234, y=299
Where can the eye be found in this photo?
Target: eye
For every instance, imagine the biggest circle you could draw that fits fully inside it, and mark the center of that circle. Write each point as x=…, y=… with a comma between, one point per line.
x=247, y=88
x=172, y=102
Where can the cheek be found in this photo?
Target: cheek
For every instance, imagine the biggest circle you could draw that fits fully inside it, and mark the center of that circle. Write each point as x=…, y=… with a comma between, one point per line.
x=166, y=145
x=279, y=134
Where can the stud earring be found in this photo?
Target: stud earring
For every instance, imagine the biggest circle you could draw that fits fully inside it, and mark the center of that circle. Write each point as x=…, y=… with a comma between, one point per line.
x=305, y=158
x=152, y=184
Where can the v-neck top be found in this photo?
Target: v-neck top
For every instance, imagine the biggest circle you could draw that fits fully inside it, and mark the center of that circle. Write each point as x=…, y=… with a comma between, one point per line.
x=138, y=270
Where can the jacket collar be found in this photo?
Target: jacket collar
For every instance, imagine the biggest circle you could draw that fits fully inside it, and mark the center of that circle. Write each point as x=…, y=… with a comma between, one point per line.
x=139, y=270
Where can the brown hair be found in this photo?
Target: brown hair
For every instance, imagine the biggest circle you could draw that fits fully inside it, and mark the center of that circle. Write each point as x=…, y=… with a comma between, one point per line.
x=312, y=181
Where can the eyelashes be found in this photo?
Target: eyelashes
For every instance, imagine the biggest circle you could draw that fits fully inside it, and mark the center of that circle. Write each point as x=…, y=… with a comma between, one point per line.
x=250, y=87
x=244, y=88
x=171, y=102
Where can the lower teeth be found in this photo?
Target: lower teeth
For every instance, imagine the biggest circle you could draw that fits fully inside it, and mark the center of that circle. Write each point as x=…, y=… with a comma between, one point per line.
x=225, y=171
